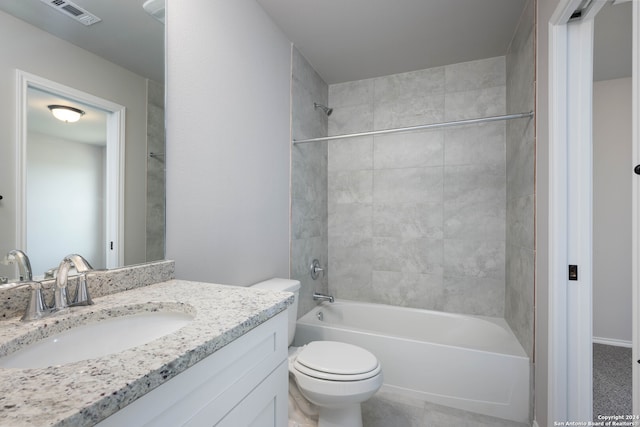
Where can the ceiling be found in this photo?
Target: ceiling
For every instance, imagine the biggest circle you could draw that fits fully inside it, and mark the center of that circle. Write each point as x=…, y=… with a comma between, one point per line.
x=343, y=40
x=358, y=39
x=90, y=129
x=127, y=35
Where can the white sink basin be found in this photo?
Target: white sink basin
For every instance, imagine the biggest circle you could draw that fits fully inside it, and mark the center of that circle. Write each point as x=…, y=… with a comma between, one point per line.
x=94, y=340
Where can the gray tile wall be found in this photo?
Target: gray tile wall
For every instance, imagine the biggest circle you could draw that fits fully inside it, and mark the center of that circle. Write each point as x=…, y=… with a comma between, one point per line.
x=308, y=180
x=418, y=219
x=155, y=172
x=519, y=291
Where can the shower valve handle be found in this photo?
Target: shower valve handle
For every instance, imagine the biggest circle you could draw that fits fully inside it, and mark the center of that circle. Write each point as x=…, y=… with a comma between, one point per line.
x=315, y=269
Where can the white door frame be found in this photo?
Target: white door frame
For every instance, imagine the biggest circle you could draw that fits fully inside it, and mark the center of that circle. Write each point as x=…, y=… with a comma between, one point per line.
x=114, y=197
x=570, y=396
x=570, y=214
x=635, y=200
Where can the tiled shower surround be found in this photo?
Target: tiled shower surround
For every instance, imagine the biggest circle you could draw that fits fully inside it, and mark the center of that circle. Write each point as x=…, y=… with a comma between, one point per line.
x=308, y=180
x=440, y=219
x=435, y=219
x=155, y=172
x=418, y=219
x=520, y=155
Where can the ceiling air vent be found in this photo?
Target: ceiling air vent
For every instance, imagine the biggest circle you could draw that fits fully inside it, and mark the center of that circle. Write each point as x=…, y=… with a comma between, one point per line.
x=73, y=11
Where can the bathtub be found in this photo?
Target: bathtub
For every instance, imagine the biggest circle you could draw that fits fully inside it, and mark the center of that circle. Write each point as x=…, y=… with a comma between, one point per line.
x=471, y=363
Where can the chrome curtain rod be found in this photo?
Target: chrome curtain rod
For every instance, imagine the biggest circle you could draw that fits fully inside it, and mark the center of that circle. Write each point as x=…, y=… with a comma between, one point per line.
x=419, y=127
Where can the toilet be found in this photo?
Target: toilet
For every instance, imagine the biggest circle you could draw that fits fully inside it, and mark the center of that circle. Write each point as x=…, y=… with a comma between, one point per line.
x=335, y=376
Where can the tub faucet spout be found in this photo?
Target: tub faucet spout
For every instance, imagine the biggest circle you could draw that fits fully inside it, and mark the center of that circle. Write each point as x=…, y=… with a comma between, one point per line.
x=322, y=297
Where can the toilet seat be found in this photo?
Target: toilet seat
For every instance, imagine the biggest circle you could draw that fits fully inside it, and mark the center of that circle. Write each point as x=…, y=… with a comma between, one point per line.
x=336, y=361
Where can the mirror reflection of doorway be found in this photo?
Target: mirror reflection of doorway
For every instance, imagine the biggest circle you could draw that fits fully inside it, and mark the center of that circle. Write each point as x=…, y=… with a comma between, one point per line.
x=65, y=182
x=70, y=193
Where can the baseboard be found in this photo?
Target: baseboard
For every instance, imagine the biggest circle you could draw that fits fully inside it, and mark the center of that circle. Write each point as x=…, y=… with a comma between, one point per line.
x=611, y=341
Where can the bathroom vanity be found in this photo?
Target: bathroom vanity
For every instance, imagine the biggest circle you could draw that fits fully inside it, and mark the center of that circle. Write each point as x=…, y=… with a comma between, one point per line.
x=225, y=367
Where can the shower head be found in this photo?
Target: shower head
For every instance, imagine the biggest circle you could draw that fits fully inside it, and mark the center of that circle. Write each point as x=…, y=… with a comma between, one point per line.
x=326, y=110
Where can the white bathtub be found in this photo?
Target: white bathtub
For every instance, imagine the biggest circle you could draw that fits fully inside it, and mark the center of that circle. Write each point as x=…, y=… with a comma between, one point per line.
x=471, y=363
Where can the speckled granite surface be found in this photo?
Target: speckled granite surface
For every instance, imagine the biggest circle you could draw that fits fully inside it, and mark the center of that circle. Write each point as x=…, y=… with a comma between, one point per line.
x=103, y=282
x=83, y=393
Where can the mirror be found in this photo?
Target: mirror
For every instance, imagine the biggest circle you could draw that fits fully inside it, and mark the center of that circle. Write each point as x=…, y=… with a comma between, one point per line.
x=121, y=60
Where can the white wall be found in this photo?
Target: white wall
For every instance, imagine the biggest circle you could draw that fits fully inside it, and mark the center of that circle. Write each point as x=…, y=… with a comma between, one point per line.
x=58, y=169
x=27, y=48
x=612, y=310
x=228, y=142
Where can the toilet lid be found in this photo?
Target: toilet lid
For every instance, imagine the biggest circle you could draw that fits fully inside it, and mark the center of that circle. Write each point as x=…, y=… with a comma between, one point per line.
x=336, y=361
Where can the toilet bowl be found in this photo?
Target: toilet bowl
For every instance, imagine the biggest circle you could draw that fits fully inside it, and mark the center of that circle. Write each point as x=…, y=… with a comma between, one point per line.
x=336, y=377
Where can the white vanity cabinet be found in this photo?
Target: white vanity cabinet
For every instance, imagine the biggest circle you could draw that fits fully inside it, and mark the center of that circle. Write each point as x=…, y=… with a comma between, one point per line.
x=245, y=383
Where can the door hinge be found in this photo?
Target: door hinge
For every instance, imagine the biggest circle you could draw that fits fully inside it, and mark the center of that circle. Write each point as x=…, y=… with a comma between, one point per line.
x=111, y=245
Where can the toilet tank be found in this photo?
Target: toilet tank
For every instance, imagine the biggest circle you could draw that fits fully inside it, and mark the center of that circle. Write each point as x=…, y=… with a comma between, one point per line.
x=288, y=286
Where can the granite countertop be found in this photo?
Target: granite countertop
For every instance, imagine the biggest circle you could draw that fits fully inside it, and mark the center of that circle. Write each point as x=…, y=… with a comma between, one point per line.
x=86, y=392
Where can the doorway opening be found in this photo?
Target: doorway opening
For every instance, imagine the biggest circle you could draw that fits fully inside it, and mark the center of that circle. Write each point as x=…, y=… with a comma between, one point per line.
x=571, y=209
x=70, y=185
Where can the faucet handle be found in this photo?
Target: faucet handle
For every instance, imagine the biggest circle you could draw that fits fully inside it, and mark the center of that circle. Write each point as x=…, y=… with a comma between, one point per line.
x=82, y=292
x=51, y=273
x=37, y=307
x=82, y=266
x=315, y=269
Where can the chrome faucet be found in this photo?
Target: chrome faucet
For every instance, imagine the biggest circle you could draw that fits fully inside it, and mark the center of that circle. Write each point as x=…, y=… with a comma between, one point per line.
x=317, y=296
x=36, y=308
x=60, y=297
x=50, y=273
x=24, y=265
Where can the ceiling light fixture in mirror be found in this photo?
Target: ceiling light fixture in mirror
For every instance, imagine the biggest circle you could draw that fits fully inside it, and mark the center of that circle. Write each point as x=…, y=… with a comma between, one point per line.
x=65, y=113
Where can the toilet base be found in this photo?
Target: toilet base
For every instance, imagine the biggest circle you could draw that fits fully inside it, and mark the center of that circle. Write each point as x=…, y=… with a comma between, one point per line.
x=340, y=416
